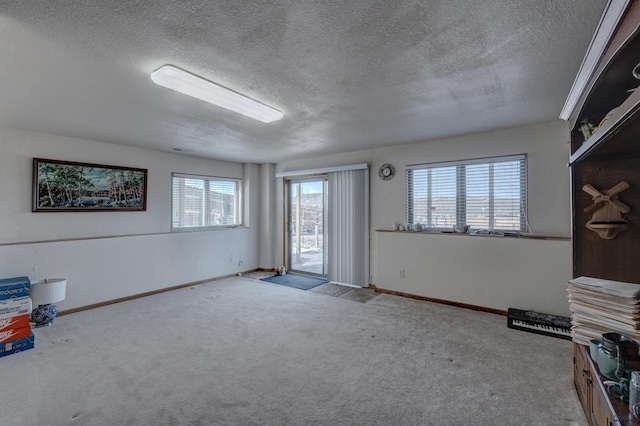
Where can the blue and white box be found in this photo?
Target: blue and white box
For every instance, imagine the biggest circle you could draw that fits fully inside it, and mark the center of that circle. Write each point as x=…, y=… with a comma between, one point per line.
x=11, y=288
x=17, y=346
x=14, y=307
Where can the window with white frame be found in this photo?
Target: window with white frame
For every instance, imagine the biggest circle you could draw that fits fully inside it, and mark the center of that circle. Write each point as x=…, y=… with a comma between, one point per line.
x=487, y=193
x=205, y=202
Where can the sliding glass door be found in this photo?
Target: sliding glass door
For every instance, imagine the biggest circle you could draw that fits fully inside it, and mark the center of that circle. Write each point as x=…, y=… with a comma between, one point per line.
x=306, y=225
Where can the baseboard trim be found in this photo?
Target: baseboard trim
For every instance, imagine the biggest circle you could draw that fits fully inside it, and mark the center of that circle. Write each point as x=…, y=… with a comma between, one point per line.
x=372, y=286
x=441, y=301
x=145, y=294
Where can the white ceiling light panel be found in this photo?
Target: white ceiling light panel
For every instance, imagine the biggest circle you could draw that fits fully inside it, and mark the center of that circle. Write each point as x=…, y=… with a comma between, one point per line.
x=191, y=85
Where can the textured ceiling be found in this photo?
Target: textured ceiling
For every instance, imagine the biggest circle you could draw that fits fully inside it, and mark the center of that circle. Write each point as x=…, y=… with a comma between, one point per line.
x=348, y=75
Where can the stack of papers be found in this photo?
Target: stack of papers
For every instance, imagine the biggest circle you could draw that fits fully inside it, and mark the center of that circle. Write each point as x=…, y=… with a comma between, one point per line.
x=603, y=306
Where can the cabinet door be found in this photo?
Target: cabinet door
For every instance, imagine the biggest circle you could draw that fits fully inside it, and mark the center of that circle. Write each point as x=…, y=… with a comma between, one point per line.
x=599, y=414
x=581, y=375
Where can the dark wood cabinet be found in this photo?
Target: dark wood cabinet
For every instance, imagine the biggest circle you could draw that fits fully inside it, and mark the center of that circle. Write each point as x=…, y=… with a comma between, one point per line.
x=582, y=376
x=599, y=408
x=603, y=111
x=610, y=155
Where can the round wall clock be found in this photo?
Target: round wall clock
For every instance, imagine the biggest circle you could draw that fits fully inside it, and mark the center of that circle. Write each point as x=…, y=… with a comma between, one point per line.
x=387, y=171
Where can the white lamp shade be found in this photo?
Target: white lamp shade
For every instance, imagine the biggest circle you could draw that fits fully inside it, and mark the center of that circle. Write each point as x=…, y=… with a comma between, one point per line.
x=50, y=290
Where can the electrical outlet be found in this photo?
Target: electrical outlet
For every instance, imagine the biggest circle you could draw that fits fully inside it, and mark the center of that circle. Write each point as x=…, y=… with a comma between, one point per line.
x=400, y=273
x=240, y=263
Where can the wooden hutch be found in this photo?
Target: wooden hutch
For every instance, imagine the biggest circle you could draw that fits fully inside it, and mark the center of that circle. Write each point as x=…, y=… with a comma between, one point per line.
x=603, y=110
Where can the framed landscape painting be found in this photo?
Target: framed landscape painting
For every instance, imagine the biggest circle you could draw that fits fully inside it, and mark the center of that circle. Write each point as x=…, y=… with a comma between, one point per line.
x=68, y=186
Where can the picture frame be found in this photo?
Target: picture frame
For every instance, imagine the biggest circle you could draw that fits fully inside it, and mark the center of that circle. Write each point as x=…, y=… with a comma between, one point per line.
x=67, y=186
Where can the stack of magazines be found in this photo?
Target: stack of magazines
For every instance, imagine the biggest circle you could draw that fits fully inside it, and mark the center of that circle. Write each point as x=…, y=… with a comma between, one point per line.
x=602, y=306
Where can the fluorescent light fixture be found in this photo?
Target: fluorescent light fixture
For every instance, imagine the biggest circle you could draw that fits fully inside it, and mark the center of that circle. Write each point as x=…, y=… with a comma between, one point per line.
x=189, y=84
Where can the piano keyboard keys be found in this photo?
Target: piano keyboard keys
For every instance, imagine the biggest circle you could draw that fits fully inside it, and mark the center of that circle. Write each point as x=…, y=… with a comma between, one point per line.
x=545, y=324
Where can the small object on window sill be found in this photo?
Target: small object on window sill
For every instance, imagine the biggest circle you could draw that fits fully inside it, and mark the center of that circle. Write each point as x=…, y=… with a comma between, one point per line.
x=485, y=232
x=461, y=229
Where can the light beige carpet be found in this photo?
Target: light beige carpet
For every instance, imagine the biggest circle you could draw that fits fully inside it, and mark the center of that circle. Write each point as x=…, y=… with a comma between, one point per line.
x=241, y=352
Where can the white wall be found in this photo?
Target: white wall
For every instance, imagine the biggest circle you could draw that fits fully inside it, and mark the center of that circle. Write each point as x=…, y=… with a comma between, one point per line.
x=143, y=255
x=493, y=272
x=109, y=255
x=549, y=213
x=267, y=218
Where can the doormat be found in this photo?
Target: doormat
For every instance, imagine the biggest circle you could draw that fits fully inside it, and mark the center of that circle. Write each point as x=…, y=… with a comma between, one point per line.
x=302, y=282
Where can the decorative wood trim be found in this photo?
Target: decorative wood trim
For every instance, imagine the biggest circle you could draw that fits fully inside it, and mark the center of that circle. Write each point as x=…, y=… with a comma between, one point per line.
x=440, y=301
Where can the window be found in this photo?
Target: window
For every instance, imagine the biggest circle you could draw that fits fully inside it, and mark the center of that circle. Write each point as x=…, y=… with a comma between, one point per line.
x=488, y=193
x=205, y=202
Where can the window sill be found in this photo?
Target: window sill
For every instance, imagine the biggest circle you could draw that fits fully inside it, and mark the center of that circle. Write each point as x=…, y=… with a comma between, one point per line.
x=208, y=228
x=523, y=235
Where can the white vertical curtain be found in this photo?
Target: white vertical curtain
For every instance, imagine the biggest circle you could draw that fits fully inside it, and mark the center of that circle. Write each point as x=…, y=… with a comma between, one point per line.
x=348, y=261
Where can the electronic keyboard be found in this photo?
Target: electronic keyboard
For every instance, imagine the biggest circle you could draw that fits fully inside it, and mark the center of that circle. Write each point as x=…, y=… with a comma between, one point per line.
x=535, y=322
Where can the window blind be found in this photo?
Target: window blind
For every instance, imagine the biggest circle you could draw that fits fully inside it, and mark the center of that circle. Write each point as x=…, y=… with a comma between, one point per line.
x=199, y=201
x=349, y=227
x=489, y=193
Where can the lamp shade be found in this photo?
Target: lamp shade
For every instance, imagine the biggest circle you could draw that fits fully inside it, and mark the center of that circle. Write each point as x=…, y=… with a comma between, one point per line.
x=49, y=290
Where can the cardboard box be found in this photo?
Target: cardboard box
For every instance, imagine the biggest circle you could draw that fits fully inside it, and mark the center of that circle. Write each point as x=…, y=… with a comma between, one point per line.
x=14, y=307
x=18, y=321
x=17, y=345
x=14, y=287
x=14, y=334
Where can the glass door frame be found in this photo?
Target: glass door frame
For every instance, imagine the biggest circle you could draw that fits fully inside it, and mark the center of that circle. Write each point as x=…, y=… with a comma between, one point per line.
x=289, y=223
